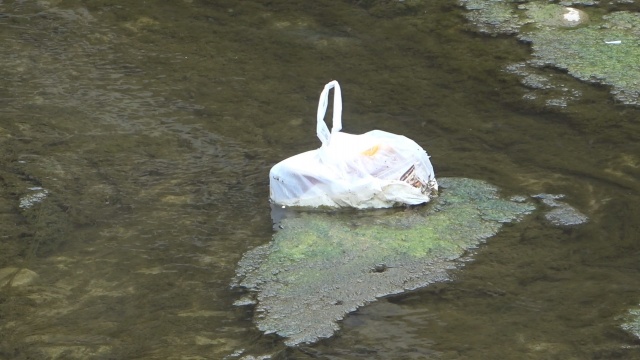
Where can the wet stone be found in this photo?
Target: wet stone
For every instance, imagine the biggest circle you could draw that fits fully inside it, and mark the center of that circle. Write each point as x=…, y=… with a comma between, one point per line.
x=562, y=213
x=245, y=301
x=492, y=17
x=322, y=266
x=566, y=215
x=598, y=49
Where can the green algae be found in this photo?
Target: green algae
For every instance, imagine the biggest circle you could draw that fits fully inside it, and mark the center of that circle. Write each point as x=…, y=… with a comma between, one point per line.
x=321, y=266
x=493, y=17
x=605, y=54
x=602, y=49
x=551, y=15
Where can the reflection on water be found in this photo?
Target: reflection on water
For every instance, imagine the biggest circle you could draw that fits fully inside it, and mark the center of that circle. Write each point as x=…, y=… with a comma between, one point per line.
x=152, y=126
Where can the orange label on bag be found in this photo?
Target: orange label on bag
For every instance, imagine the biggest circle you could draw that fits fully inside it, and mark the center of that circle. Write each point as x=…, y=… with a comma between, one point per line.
x=371, y=151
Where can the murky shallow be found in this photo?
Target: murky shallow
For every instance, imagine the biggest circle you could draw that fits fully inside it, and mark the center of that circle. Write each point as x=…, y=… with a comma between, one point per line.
x=152, y=127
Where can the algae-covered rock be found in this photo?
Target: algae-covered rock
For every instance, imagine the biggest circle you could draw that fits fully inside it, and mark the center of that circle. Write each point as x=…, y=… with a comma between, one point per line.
x=493, y=17
x=598, y=49
x=510, y=16
x=321, y=266
x=606, y=53
x=554, y=15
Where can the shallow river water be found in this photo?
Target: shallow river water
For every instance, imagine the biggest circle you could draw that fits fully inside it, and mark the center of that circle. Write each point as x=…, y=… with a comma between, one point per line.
x=137, y=137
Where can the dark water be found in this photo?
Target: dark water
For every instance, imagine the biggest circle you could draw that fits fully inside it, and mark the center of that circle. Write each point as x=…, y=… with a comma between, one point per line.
x=152, y=127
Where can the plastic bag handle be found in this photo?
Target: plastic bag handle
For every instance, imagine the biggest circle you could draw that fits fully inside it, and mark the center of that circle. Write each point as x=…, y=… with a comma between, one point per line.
x=322, y=130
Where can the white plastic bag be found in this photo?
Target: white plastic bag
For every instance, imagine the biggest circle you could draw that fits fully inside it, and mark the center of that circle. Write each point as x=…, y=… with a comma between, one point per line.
x=373, y=170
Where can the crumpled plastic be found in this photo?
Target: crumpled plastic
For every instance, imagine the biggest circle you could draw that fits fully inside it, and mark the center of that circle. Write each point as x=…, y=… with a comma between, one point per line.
x=376, y=169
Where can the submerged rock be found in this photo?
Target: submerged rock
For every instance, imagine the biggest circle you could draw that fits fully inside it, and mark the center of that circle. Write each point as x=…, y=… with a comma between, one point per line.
x=562, y=214
x=17, y=277
x=36, y=195
x=321, y=266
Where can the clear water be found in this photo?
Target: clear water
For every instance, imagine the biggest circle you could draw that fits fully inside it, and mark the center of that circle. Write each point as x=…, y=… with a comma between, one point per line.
x=152, y=125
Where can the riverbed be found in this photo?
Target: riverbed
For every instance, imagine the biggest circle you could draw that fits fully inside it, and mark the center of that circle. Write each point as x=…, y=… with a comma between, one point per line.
x=137, y=138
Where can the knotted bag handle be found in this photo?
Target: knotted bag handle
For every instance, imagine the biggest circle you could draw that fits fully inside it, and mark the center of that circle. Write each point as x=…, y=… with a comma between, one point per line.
x=322, y=130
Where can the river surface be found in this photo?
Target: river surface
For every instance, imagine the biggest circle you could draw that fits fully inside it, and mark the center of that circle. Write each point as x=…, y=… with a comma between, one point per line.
x=136, y=141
